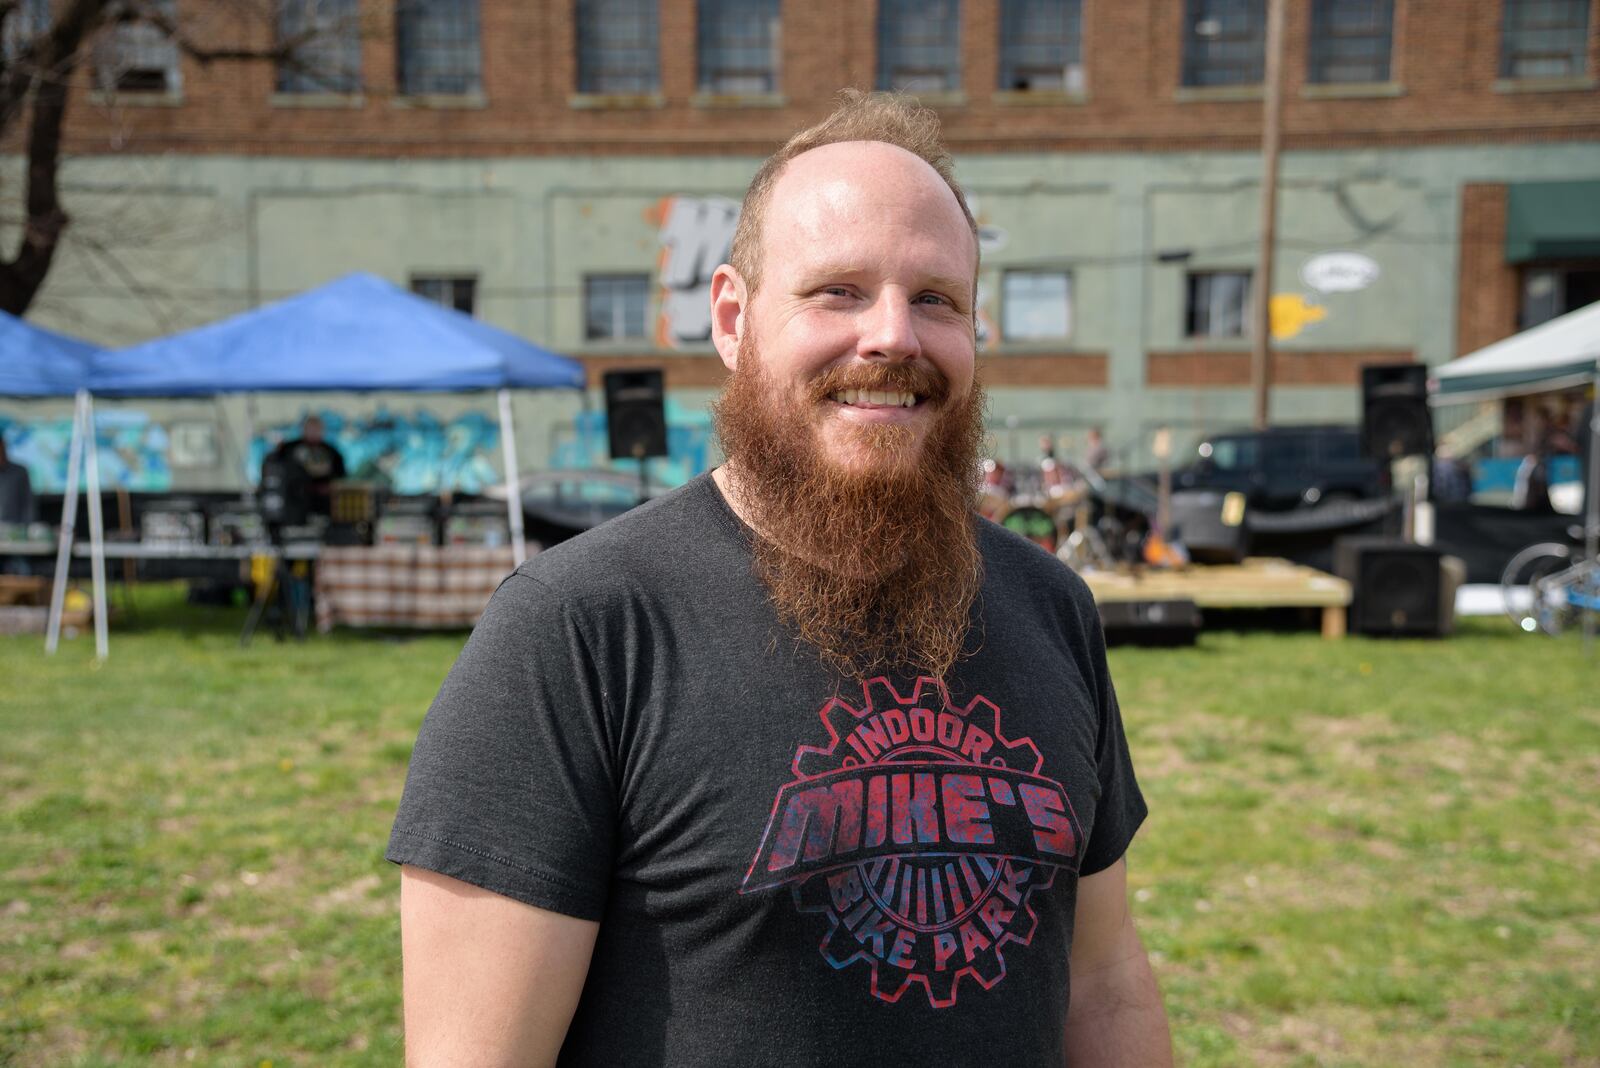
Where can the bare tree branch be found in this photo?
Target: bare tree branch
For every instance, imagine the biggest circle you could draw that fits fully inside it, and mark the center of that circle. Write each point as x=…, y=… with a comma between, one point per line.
x=36, y=72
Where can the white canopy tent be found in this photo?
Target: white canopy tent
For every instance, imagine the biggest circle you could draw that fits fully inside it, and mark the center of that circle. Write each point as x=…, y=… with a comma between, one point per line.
x=1560, y=354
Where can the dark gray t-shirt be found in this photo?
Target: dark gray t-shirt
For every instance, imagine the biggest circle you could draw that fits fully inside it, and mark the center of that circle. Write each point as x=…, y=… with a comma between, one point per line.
x=788, y=867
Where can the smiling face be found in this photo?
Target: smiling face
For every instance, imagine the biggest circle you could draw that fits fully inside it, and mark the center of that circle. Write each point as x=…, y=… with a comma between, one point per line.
x=863, y=320
x=852, y=421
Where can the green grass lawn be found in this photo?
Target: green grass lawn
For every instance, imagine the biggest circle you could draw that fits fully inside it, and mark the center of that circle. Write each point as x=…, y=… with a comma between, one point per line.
x=1360, y=852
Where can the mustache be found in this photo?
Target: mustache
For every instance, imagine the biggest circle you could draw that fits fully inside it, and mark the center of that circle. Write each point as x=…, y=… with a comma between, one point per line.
x=924, y=380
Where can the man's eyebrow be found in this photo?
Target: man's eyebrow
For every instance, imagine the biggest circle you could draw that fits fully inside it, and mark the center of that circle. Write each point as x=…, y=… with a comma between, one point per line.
x=819, y=274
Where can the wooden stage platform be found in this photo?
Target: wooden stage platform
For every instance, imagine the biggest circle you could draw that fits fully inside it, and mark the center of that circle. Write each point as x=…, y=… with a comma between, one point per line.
x=1259, y=582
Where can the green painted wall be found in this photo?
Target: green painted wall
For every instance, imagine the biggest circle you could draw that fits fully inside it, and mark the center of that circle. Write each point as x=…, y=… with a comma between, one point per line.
x=208, y=236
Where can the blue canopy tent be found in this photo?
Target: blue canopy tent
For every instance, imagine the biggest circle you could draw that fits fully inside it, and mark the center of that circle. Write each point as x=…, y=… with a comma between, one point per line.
x=35, y=362
x=357, y=333
x=354, y=334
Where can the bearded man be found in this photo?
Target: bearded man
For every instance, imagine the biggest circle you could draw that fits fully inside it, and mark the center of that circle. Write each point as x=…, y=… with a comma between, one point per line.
x=802, y=763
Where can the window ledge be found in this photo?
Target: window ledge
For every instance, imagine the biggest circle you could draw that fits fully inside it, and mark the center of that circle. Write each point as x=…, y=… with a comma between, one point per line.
x=1566, y=84
x=1194, y=94
x=1215, y=342
x=317, y=100
x=440, y=101
x=616, y=101
x=943, y=98
x=711, y=100
x=1039, y=98
x=1051, y=346
x=1351, y=90
x=168, y=99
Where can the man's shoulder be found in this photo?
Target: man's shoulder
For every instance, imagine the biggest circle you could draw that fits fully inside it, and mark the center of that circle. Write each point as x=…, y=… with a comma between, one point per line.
x=657, y=545
x=1026, y=569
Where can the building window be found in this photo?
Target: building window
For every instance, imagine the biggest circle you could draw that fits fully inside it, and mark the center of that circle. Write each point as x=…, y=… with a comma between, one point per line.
x=1041, y=45
x=451, y=291
x=919, y=45
x=436, y=46
x=325, y=46
x=1224, y=42
x=138, y=57
x=1544, y=38
x=617, y=47
x=738, y=46
x=1548, y=292
x=1351, y=40
x=1219, y=302
x=614, y=306
x=25, y=23
x=1036, y=305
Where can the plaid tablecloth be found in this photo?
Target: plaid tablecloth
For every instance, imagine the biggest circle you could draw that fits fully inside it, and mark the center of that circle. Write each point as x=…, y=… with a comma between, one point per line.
x=420, y=586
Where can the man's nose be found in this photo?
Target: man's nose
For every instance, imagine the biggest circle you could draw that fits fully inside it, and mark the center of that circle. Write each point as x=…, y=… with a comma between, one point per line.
x=888, y=331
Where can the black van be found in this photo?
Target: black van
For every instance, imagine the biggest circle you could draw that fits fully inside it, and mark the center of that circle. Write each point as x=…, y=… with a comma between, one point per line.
x=1287, y=467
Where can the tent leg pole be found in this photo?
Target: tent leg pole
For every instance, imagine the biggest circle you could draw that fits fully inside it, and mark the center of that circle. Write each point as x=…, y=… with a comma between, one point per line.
x=69, y=516
x=508, y=446
x=1591, y=512
x=97, y=532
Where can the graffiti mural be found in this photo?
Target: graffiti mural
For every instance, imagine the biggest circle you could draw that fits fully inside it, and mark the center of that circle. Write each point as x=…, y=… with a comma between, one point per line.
x=695, y=235
x=409, y=454
x=132, y=450
x=688, y=446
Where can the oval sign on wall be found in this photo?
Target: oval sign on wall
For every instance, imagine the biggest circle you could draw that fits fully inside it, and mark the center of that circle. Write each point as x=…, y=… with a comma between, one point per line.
x=1339, y=272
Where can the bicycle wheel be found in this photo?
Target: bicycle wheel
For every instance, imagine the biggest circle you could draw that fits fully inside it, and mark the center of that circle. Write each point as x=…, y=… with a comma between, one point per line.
x=1563, y=596
x=1533, y=601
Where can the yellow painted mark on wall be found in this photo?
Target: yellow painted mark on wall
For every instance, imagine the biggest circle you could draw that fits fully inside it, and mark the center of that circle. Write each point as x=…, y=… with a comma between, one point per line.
x=1292, y=313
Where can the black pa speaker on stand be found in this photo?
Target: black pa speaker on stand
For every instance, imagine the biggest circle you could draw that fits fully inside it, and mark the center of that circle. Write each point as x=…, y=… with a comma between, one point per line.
x=636, y=417
x=1395, y=421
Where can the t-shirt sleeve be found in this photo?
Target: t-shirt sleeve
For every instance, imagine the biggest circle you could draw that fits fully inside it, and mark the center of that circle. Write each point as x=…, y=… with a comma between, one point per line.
x=511, y=783
x=1121, y=808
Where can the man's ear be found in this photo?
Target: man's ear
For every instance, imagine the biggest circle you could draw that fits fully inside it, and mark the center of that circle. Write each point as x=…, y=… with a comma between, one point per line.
x=728, y=304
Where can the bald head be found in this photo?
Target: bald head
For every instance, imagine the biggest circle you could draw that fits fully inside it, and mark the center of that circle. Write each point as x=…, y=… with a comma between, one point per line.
x=858, y=187
x=888, y=119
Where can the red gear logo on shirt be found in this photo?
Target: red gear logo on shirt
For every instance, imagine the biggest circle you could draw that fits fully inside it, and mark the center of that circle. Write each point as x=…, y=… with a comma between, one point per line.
x=920, y=831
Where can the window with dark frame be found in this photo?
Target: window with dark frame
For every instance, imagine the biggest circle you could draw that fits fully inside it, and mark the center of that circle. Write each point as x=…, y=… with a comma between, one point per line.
x=1218, y=304
x=1551, y=291
x=1035, y=305
x=1544, y=38
x=437, y=49
x=451, y=291
x=618, y=47
x=138, y=57
x=26, y=21
x=1224, y=42
x=1041, y=46
x=1351, y=41
x=614, y=306
x=326, y=46
x=738, y=46
x=919, y=45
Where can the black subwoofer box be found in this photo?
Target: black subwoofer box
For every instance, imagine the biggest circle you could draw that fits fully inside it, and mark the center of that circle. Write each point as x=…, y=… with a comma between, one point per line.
x=1395, y=585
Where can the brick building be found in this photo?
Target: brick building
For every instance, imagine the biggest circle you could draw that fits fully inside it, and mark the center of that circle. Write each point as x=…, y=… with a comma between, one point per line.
x=570, y=170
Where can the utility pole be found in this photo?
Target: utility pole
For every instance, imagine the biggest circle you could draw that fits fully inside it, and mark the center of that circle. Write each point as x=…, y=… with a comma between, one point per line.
x=1261, y=303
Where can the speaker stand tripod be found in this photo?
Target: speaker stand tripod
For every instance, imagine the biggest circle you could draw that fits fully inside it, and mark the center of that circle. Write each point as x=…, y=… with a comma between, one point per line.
x=284, y=595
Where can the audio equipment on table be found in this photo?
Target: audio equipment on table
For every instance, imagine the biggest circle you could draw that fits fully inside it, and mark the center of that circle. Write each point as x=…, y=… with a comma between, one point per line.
x=1211, y=525
x=478, y=523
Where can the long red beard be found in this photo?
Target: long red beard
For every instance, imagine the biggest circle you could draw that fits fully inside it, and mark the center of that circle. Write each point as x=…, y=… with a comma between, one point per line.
x=875, y=570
